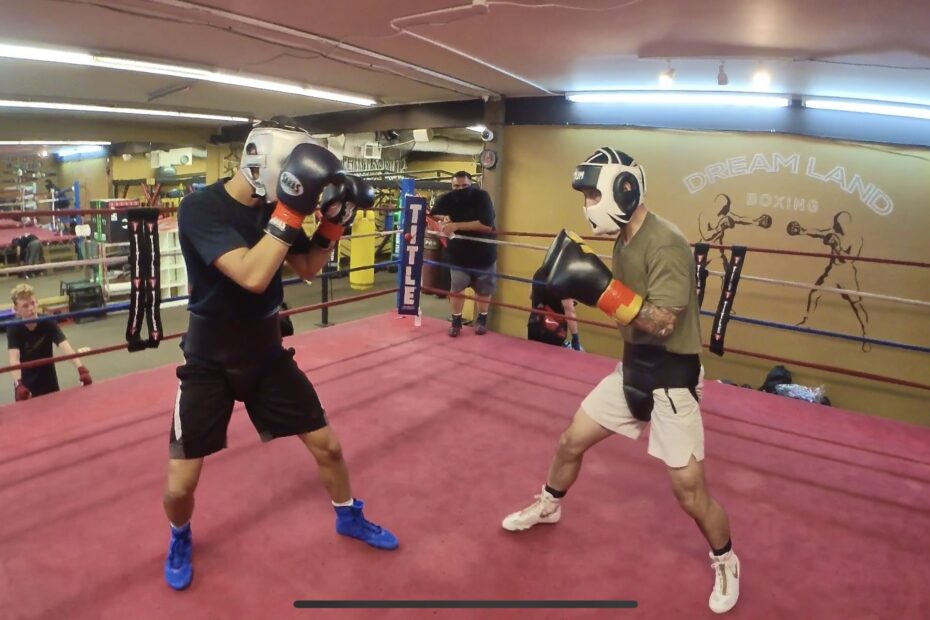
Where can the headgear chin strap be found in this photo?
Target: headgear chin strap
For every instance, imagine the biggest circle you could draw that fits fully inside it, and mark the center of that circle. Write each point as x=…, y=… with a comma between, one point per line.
x=607, y=170
x=264, y=153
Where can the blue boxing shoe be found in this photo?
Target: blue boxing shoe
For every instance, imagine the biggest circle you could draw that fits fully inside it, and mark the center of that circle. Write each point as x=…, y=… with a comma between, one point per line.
x=351, y=522
x=179, y=571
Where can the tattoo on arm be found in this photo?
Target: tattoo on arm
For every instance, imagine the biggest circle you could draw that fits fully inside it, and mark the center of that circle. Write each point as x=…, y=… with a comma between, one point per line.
x=660, y=322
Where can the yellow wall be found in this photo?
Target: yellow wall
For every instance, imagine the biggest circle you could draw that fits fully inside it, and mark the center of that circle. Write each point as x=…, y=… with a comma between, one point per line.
x=92, y=174
x=537, y=197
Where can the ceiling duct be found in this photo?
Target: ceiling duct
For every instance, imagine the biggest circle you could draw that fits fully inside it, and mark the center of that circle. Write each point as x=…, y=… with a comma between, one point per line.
x=399, y=144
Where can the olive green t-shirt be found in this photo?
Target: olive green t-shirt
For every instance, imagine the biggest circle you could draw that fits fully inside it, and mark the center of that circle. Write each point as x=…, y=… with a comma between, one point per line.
x=657, y=263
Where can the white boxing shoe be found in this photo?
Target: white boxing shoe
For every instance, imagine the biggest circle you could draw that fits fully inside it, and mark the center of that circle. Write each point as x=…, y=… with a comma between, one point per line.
x=726, y=582
x=546, y=509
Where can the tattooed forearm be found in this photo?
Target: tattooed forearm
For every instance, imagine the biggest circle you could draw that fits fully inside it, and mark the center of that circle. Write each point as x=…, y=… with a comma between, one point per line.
x=660, y=322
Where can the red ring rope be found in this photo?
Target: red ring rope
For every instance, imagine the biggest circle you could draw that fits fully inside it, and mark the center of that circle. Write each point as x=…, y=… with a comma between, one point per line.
x=824, y=367
x=864, y=259
x=124, y=345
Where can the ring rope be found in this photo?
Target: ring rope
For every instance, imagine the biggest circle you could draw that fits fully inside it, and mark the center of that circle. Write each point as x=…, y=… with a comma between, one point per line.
x=820, y=332
x=103, y=310
x=904, y=300
x=115, y=260
x=842, y=291
x=504, y=276
x=832, y=369
x=437, y=291
x=62, y=213
x=120, y=306
x=865, y=259
x=808, y=330
x=125, y=345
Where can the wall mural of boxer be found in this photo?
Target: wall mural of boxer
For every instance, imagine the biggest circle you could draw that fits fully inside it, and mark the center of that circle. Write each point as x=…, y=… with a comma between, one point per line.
x=727, y=220
x=840, y=272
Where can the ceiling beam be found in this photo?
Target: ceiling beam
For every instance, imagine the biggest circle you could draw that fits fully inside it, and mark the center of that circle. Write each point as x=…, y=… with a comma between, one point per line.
x=418, y=116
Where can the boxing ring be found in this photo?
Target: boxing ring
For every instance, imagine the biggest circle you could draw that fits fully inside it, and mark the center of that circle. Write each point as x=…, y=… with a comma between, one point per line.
x=829, y=507
x=443, y=438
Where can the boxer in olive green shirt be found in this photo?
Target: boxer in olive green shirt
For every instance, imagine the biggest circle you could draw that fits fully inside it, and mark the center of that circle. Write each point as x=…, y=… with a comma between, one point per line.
x=660, y=379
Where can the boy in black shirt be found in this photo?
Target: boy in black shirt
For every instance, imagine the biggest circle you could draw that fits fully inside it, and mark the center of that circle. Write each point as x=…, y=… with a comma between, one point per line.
x=33, y=341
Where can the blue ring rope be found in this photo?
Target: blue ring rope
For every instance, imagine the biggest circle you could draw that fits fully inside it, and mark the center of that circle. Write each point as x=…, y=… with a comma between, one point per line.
x=805, y=330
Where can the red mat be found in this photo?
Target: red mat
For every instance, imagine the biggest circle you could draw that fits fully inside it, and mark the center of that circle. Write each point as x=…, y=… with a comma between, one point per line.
x=444, y=437
x=7, y=235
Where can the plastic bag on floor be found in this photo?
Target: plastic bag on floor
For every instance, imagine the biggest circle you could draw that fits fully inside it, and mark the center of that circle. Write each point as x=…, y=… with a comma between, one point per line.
x=802, y=392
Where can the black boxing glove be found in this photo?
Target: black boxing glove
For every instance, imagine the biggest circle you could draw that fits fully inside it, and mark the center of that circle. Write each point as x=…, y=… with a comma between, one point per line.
x=307, y=172
x=338, y=205
x=794, y=228
x=578, y=273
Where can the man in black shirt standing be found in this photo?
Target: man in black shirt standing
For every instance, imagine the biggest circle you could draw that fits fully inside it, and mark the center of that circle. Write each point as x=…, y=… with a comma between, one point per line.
x=468, y=209
x=31, y=341
x=234, y=236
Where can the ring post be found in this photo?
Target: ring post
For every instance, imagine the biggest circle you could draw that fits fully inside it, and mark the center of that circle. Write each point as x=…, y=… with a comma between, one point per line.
x=400, y=245
x=411, y=256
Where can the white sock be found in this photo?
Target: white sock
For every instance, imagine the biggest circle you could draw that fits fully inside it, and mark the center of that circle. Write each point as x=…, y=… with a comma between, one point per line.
x=344, y=504
x=177, y=527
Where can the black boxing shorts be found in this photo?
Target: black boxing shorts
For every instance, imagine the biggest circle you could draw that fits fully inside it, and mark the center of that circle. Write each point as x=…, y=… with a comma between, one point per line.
x=233, y=360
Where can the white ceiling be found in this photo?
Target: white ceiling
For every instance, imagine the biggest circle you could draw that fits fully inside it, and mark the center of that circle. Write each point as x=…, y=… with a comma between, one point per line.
x=818, y=47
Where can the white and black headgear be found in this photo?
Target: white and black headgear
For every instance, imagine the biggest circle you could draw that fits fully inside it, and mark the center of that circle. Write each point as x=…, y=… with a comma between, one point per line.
x=269, y=144
x=607, y=170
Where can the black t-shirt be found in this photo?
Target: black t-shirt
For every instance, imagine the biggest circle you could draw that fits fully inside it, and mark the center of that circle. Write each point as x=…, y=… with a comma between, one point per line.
x=36, y=344
x=23, y=243
x=468, y=205
x=210, y=224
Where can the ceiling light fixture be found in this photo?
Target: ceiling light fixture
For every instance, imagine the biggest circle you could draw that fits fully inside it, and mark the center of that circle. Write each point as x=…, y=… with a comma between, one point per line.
x=76, y=107
x=52, y=143
x=761, y=79
x=20, y=52
x=667, y=77
x=70, y=151
x=681, y=98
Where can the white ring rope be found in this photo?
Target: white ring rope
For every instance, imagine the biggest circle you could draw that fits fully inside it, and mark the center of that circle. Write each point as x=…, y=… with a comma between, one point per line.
x=528, y=246
x=87, y=262
x=842, y=291
x=116, y=260
x=903, y=300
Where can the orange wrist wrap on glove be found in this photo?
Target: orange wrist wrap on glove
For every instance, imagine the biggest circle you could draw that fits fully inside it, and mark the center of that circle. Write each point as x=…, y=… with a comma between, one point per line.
x=290, y=217
x=620, y=302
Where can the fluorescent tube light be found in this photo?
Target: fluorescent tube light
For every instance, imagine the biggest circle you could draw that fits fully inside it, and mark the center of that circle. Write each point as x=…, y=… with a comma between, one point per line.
x=76, y=107
x=52, y=143
x=869, y=107
x=682, y=98
x=21, y=52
